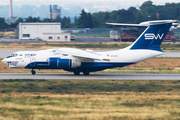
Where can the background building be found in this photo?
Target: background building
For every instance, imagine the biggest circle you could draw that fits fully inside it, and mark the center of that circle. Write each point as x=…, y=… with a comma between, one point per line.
x=36, y=30
x=10, y=12
x=55, y=12
x=43, y=31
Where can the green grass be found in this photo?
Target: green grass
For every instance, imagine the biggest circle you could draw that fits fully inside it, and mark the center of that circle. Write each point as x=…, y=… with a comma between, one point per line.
x=89, y=99
x=83, y=86
x=166, y=46
x=174, y=47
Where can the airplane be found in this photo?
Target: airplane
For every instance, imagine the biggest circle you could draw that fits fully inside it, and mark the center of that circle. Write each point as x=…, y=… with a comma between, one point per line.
x=146, y=46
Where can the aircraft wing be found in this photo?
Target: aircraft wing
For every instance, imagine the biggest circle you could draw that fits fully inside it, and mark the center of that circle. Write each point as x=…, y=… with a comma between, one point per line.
x=79, y=53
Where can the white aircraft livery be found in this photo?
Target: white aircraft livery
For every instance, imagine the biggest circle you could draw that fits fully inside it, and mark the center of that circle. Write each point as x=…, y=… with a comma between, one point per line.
x=74, y=60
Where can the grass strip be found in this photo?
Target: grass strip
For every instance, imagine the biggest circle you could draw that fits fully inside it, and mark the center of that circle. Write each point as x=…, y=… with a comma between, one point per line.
x=89, y=99
x=167, y=47
x=85, y=86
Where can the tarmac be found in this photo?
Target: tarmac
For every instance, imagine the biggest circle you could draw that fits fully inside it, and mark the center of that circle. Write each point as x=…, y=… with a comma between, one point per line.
x=92, y=76
x=89, y=40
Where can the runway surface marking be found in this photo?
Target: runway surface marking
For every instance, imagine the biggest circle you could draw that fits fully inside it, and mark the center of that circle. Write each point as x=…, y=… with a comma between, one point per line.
x=93, y=76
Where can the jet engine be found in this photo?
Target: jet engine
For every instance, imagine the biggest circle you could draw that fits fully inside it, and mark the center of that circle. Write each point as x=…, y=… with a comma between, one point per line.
x=64, y=63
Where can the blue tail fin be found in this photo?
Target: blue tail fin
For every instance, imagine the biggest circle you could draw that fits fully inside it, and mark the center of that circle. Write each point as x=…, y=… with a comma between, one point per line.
x=152, y=37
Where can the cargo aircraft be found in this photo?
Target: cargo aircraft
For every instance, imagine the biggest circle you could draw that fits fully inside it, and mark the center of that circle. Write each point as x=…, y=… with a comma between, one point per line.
x=146, y=46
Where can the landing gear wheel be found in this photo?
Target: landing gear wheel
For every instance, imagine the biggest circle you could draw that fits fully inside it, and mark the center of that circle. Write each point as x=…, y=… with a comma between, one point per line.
x=86, y=72
x=76, y=73
x=33, y=72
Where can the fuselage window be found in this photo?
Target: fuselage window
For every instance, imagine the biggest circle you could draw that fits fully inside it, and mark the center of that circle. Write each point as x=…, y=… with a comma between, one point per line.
x=26, y=35
x=114, y=55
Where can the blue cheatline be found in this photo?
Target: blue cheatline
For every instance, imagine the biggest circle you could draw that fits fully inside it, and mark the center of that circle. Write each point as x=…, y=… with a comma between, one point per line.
x=92, y=67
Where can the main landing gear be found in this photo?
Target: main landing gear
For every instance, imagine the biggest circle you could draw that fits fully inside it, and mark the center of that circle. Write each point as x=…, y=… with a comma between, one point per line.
x=76, y=73
x=84, y=72
x=33, y=72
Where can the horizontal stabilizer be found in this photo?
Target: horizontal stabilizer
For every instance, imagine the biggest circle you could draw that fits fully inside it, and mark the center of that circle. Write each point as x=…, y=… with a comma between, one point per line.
x=145, y=24
x=157, y=22
x=128, y=25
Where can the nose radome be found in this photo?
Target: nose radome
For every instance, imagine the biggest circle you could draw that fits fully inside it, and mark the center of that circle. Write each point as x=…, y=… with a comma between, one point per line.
x=5, y=62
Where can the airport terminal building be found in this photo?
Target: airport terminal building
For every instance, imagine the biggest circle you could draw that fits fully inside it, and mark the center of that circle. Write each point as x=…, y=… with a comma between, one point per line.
x=43, y=31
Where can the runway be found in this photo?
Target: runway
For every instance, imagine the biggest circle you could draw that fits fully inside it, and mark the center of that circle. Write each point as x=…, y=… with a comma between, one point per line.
x=91, y=40
x=93, y=76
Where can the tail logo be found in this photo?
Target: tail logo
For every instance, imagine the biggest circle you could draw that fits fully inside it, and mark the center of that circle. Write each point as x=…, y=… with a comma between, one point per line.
x=151, y=36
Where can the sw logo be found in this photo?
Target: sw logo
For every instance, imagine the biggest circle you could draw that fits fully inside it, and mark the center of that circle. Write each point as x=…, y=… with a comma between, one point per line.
x=151, y=36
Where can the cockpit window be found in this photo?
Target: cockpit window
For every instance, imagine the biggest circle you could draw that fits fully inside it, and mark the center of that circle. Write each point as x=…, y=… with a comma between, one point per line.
x=12, y=55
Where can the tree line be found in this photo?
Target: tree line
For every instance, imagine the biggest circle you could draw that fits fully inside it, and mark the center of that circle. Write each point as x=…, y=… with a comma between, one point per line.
x=65, y=21
x=147, y=11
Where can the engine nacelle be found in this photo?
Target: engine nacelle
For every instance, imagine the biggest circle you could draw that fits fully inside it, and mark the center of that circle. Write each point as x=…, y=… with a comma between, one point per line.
x=63, y=63
x=53, y=61
x=75, y=63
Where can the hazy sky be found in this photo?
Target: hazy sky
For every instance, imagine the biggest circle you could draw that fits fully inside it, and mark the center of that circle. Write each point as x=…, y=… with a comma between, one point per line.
x=90, y=5
x=73, y=7
x=81, y=2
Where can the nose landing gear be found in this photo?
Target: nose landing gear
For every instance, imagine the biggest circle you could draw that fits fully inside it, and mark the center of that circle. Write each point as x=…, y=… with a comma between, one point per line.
x=33, y=72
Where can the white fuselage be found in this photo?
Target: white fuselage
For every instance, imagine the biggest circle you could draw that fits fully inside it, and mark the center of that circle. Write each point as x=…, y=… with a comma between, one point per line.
x=23, y=58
